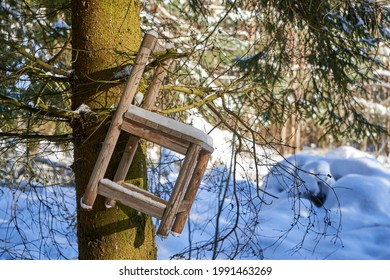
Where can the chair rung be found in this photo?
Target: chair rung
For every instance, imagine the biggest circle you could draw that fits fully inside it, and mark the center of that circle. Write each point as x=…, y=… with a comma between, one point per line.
x=133, y=197
x=158, y=138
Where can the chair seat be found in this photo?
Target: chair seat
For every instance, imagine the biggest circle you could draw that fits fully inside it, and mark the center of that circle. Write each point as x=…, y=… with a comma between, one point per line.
x=150, y=121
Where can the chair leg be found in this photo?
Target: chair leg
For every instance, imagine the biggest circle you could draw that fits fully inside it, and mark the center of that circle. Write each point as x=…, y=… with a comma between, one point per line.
x=190, y=194
x=124, y=165
x=178, y=190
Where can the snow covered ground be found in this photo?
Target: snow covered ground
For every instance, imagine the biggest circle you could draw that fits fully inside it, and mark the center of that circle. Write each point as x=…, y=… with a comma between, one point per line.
x=354, y=220
x=351, y=220
x=37, y=203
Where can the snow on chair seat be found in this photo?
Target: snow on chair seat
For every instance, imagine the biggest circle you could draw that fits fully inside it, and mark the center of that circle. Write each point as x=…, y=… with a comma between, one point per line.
x=156, y=128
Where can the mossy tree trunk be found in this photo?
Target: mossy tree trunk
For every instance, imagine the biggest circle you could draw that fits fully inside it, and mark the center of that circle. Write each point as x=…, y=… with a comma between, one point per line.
x=102, y=32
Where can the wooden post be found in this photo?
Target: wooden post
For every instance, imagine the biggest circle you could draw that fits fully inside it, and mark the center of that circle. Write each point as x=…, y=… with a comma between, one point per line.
x=178, y=190
x=112, y=136
x=132, y=144
x=190, y=194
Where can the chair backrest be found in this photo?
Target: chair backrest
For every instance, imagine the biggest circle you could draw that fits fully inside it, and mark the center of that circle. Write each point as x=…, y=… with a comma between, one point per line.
x=147, y=46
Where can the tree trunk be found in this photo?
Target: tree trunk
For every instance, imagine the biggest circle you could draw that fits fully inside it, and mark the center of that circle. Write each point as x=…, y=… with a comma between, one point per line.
x=103, y=31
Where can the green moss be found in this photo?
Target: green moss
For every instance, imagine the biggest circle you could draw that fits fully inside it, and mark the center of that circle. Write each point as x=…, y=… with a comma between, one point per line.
x=120, y=233
x=101, y=31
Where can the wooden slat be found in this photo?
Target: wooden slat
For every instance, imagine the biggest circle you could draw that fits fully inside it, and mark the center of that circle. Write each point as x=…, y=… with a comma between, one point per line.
x=151, y=120
x=172, y=129
x=115, y=128
x=133, y=197
x=178, y=190
x=158, y=138
x=190, y=194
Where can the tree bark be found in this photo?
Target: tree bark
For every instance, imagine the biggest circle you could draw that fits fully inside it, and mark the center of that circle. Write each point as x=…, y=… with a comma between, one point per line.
x=102, y=31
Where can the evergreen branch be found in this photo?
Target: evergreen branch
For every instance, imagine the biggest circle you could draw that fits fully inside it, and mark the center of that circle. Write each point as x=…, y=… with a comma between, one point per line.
x=200, y=92
x=42, y=63
x=56, y=138
x=62, y=50
x=32, y=72
x=198, y=104
x=196, y=91
x=43, y=109
x=165, y=55
x=36, y=60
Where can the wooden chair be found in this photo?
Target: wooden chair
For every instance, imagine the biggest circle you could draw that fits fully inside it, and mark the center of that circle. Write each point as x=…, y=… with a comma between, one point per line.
x=194, y=144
